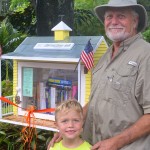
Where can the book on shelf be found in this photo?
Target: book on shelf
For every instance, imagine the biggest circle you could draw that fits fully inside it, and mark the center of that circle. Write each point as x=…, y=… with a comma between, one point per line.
x=75, y=91
x=54, y=91
x=42, y=89
x=57, y=81
x=52, y=97
x=47, y=97
x=60, y=90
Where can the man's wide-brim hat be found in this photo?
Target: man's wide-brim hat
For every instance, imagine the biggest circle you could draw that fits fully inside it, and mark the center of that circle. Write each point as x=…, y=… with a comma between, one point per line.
x=100, y=11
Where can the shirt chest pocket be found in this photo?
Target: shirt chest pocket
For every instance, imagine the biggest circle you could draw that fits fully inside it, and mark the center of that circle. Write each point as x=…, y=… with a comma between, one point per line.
x=125, y=77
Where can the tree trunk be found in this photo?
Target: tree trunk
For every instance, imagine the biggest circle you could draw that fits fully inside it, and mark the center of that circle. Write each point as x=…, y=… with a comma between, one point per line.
x=48, y=14
x=66, y=8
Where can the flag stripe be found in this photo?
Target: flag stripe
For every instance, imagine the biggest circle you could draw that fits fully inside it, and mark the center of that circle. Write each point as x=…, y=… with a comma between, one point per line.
x=87, y=56
x=87, y=59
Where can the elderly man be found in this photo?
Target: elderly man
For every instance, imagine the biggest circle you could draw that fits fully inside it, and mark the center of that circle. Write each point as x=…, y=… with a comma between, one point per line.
x=118, y=113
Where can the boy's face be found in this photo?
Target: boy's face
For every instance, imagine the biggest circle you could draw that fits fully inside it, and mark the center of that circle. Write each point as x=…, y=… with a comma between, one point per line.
x=69, y=123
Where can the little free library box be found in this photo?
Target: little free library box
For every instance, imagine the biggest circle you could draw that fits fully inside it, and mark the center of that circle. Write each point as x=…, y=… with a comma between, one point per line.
x=46, y=71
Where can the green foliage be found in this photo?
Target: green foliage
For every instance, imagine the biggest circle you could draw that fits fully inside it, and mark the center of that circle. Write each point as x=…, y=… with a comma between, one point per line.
x=9, y=37
x=22, y=16
x=83, y=4
x=24, y=21
x=144, y=2
x=10, y=138
x=7, y=88
x=88, y=26
x=7, y=69
x=43, y=138
x=85, y=21
x=100, y=2
x=146, y=35
x=9, y=40
x=90, y=4
x=18, y=5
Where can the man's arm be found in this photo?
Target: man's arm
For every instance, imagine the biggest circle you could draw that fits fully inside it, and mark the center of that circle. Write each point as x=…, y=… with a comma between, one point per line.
x=136, y=131
x=139, y=129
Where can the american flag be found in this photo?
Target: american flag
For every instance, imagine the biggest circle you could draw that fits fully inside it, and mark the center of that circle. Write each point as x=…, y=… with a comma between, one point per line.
x=87, y=56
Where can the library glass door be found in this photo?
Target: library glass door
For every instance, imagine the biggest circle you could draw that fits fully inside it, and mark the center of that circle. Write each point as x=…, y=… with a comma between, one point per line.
x=45, y=85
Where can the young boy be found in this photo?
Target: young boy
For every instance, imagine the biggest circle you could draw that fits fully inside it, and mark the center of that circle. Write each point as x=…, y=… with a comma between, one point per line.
x=69, y=121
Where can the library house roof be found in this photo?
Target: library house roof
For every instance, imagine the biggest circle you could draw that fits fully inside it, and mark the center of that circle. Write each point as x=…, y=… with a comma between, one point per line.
x=47, y=49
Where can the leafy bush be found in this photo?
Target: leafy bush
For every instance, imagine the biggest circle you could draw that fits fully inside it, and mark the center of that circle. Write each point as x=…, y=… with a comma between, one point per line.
x=10, y=138
x=9, y=41
x=7, y=88
x=146, y=34
x=24, y=20
x=9, y=37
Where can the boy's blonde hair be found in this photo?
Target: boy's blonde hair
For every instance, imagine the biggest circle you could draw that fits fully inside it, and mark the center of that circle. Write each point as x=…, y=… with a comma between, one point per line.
x=67, y=105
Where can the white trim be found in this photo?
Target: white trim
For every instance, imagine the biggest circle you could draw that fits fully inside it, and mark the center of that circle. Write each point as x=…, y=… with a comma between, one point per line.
x=79, y=81
x=81, y=84
x=54, y=46
x=82, y=88
x=46, y=65
x=25, y=124
x=37, y=115
x=61, y=26
x=41, y=59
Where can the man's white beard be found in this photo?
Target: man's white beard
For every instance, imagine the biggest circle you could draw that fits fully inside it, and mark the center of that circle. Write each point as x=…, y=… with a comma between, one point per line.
x=118, y=36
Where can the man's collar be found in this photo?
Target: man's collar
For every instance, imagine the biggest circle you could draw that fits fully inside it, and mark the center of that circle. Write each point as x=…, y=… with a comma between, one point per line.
x=126, y=43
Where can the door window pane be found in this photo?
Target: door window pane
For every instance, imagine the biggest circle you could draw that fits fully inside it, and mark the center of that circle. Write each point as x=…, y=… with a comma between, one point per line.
x=45, y=88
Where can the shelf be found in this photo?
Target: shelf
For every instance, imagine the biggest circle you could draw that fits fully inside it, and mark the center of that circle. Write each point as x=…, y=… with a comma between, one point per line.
x=39, y=123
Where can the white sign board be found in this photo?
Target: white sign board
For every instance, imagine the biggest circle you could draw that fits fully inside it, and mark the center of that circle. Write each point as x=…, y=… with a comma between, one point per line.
x=54, y=46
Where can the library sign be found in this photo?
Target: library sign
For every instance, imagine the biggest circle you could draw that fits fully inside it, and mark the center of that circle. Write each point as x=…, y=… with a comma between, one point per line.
x=54, y=46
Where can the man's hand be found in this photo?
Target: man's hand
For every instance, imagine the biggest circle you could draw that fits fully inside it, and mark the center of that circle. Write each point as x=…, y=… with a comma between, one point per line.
x=109, y=144
x=57, y=137
x=131, y=134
